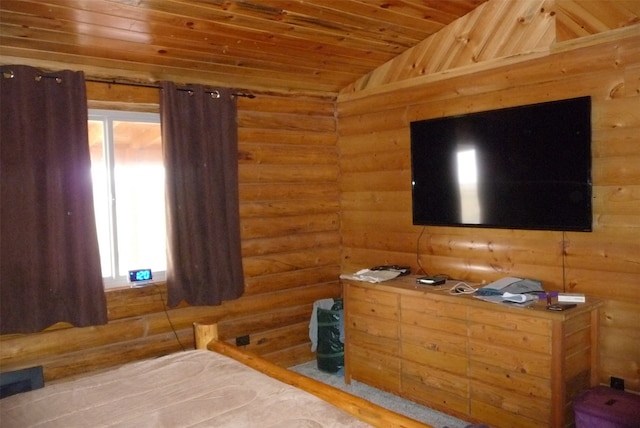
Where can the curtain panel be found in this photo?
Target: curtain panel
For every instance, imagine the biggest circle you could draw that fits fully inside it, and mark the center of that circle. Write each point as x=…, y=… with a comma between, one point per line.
x=50, y=262
x=200, y=149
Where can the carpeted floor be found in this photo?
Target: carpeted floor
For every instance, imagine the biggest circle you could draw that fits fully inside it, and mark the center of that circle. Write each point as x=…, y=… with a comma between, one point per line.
x=384, y=399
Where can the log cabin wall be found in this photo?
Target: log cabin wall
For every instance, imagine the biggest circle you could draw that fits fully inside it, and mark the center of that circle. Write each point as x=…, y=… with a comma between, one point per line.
x=373, y=140
x=290, y=191
x=290, y=244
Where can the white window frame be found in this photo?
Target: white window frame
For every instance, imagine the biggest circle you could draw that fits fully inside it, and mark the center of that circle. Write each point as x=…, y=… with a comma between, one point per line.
x=108, y=117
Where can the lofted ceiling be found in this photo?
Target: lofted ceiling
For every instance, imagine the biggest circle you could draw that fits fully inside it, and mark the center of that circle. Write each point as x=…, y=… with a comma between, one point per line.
x=301, y=46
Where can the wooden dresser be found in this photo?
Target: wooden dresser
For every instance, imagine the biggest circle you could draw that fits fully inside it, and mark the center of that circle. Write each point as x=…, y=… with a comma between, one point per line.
x=480, y=361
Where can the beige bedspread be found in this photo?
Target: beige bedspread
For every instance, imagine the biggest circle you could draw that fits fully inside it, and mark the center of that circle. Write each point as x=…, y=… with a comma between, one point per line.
x=187, y=389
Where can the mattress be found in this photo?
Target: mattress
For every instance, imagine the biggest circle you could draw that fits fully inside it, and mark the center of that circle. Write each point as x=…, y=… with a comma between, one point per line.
x=187, y=389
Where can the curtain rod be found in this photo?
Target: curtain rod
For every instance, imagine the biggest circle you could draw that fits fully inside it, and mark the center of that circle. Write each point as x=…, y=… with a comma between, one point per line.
x=156, y=86
x=9, y=74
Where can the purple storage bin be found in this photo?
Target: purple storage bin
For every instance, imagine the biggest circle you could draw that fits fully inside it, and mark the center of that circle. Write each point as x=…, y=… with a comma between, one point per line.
x=603, y=407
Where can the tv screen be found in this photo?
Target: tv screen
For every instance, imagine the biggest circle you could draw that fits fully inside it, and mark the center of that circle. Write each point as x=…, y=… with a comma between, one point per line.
x=526, y=167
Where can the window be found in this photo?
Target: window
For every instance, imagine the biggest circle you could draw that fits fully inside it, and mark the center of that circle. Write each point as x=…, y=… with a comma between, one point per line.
x=128, y=192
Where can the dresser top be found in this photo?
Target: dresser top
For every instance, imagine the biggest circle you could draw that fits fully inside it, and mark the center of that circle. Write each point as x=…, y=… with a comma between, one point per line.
x=406, y=285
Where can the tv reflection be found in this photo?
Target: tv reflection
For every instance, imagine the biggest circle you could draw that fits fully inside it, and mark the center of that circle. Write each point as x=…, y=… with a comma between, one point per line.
x=467, y=166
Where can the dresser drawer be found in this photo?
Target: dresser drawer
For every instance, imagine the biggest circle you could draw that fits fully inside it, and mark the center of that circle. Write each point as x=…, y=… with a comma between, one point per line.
x=435, y=388
x=374, y=303
x=375, y=368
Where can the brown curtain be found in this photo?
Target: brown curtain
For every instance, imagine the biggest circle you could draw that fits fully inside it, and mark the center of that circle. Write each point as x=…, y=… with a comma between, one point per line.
x=49, y=259
x=199, y=133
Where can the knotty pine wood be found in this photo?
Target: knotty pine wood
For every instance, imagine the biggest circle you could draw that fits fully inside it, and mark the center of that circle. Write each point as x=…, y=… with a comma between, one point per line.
x=495, y=29
x=448, y=390
x=374, y=186
x=313, y=47
x=579, y=18
x=289, y=205
x=483, y=362
x=376, y=195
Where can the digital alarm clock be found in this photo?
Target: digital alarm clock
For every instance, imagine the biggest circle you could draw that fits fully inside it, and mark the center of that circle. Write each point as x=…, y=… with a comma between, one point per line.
x=140, y=276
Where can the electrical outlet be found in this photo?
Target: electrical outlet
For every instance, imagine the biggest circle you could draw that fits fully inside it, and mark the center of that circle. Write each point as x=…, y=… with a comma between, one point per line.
x=617, y=383
x=242, y=340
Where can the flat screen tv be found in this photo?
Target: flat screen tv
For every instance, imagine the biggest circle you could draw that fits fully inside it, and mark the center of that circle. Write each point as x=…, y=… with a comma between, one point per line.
x=526, y=167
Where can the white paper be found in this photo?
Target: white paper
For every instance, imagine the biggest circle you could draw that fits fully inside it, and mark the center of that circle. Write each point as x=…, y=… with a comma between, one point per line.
x=373, y=276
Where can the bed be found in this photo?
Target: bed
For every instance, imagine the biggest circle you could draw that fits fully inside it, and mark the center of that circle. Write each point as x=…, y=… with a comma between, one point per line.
x=215, y=385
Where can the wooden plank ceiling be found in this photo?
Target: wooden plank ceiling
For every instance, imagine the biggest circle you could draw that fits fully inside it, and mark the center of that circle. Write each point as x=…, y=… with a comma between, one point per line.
x=298, y=46
x=284, y=46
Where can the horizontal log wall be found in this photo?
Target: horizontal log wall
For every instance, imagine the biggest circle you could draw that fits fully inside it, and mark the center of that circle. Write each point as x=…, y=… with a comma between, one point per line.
x=290, y=244
x=375, y=182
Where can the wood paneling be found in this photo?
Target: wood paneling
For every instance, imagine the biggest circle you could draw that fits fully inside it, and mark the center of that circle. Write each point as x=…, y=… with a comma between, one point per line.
x=305, y=47
x=301, y=196
x=376, y=197
x=579, y=18
x=315, y=47
x=494, y=29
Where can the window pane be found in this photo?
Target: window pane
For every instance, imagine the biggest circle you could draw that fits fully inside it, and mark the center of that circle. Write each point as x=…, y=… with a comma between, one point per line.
x=128, y=186
x=101, y=193
x=139, y=189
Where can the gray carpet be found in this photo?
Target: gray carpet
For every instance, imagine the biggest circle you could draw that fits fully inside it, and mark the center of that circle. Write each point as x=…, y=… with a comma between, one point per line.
x=384, y=399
